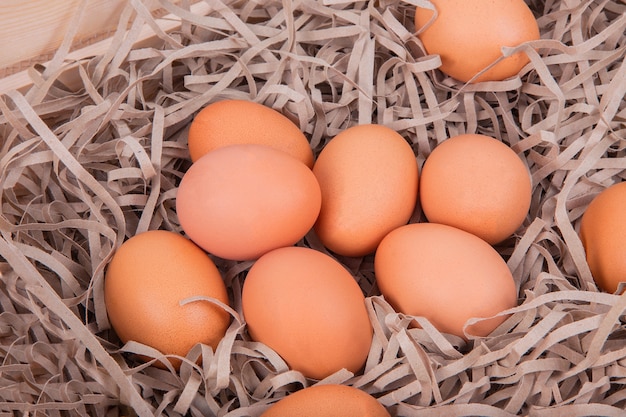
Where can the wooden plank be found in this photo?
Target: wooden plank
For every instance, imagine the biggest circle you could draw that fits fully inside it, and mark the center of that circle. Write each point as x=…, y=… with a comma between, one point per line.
x=30, y=31
x=20, y=80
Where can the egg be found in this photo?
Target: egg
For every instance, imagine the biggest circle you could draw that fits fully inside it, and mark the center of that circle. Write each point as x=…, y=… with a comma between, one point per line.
x=603, y=235
x=327, y=400
x=368, y=176
x=241, y=201
x=148, y=277
x=445, y=275
x=309, y=309
x=478, y=184
x=469, y=36
x=231, y=122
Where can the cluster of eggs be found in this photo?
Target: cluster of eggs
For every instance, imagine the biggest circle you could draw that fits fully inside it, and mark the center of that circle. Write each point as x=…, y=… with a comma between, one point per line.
x=253, y=196
x=254, y=190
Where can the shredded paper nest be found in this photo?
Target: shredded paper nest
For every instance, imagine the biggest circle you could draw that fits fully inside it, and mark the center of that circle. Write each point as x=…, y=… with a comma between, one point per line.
x=93, y=152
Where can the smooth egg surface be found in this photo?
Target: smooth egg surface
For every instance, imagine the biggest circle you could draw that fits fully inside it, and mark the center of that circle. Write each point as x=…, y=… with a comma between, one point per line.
x=308, y=308
x=603, y=234
x=148, y=277
x=445, y=275
x=231, y=122
x=241, y=201
x=327, y=400
x=469, y=35
x=368, y=176
x=478, y=184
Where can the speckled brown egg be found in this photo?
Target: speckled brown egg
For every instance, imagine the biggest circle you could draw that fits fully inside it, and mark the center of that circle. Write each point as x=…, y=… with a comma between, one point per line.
x=445, y=275
x=327, y=400
x=308, y=308
x=469, y=35
x=231, y=122
x=148, y=277
x=368, y=176
x=478, y=184
x=241, y=201
x=603, y=234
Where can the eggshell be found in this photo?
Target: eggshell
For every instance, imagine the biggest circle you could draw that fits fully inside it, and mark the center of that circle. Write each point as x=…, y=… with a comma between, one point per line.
x=147, y=278
x=478, y=184
x=328, y=400
x=231, y=122
x=240, y=201
x=469, y=35
x=445, y=275
x=368, y=175
x=308, y=308
x=603, y=234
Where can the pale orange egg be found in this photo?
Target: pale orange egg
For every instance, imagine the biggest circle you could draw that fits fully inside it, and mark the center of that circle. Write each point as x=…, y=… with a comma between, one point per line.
x=445, y=275
x=327, y=400
x=603, y=234
x=231, y=122
x=478, y=184
x=148, y=277
x=308, y=308
x=241, y=201
x=469, y=35
x=368, y=176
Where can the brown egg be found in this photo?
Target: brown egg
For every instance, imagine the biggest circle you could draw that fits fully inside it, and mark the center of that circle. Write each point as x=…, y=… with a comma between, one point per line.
x=328, y=400
x=469, y=35
x=603, y=234
x=445, y=275
x=368, y=175
x=230, y=122
x=146, y=280
x=308, y=308
x=478, y=184
x=240, y=201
